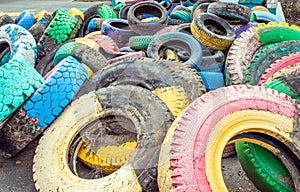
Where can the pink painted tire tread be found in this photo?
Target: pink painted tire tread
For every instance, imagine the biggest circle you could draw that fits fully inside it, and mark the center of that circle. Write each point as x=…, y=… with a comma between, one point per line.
x=278, y=65
x=184, y=148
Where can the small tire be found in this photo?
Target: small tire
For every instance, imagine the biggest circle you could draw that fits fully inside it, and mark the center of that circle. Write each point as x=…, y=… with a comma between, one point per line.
x=220, y=40
x=177, y=40
x=138, y=10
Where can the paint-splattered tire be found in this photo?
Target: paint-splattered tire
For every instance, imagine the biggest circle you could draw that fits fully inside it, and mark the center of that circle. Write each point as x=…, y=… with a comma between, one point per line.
x=190, y=157
x=149, y=118
x=21, y=42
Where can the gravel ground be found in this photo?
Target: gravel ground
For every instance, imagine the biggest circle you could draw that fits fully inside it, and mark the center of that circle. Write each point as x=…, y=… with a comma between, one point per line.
x=16, y=173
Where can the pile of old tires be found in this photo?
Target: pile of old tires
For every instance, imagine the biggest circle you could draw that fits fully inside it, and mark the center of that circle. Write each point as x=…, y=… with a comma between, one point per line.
x=151, y=95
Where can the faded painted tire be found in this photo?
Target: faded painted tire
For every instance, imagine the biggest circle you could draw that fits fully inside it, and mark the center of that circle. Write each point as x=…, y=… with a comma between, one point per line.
x=177, y=41
x=43, y=20
x=288, y=84
x=239, y=56
x=210, y=122
x=139, y=9
x=273, y=32
x=184, y=28
x=262, y=16
x=232, y=12
x=60, y=29
x=223, y=36
x=243, y=28
x=85, y=54
x=18, y=80
x=140, y=42
x=212, y=60
x=265, y=56
x=118, y=30
x=201, y=7
x=291, y=69
x=138, y=174
x=44, y=105
x=21, y=42
x=147, y=73
x=25, y=20
x=283, y=62
x=212, y=80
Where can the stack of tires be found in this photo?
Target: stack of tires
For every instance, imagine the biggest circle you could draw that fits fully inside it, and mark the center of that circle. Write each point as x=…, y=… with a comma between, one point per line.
x=151, y=95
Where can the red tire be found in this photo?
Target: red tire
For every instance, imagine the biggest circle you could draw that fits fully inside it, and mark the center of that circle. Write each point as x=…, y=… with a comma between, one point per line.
x=191, y=154
x=277, y=65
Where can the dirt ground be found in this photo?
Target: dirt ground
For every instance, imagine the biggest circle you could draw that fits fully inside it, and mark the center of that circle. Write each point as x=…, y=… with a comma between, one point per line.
x=16, y=173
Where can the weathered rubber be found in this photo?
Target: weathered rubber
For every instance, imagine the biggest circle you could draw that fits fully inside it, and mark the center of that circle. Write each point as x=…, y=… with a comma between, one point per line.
x=240, y=55
x=262, y=16
x=232, y=12
x=18, y=80
x=140, y=42
x=279, y=64
x=291, y=69
x=265, y=56
x=43, y=20
x=61, y=28
x=21, y=42
x=177, y=41
x=219, y=39
x=139, y=9
x=147, y=73
x=190, y=157
x=273, y=32
x=138, y=174
x=5, y=19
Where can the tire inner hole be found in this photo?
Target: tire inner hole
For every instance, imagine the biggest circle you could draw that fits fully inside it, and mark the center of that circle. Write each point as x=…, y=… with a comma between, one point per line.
x=102, y=147
x=215, y=27
x=140, y=12
x=180, y=48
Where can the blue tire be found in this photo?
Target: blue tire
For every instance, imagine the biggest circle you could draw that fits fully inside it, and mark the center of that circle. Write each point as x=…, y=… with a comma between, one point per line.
x=25, y=19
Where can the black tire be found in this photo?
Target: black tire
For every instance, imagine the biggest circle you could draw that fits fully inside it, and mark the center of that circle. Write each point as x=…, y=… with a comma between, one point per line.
x=37, y=30
x=135, y=15
x=176, y=21
x=147, y=73
x=6, y=19
x=212, y=60
x=149, y=118
x=124, y=11
x=88, y=15
x=179, y=42
x=118, y=30
x=232, y=12
x=219, y=39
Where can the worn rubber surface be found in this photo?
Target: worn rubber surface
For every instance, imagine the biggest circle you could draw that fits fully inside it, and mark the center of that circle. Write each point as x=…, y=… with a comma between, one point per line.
x=184, y=28
x=18, y=80
x=212, y=31
x=181, y=14
x=139, y=9
x=138, y=174
x=239, y=56
x=288, y=84
x=190, y=157
x=6, y=19
x=212, y=80
x=147, y=73
x=21, y=42
x=43, y=20
x=212, y=60
x=273, y=32
x=200, y=7
x=60, y=29
x=118, y=30
x=43, y=106
x=232, y=12
x=140, y=42
x=244, y=28
x=130, y=55
x=291, y=69
x=279, y=64
x=177, y=41
x=83, y=53
x=265, y=56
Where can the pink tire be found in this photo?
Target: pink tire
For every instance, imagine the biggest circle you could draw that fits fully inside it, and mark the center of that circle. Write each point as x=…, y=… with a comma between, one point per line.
x=190, y=157
x=278, y=65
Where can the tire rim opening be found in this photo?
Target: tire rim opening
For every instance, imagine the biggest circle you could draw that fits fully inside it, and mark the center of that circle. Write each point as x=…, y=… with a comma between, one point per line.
x=215, y=27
